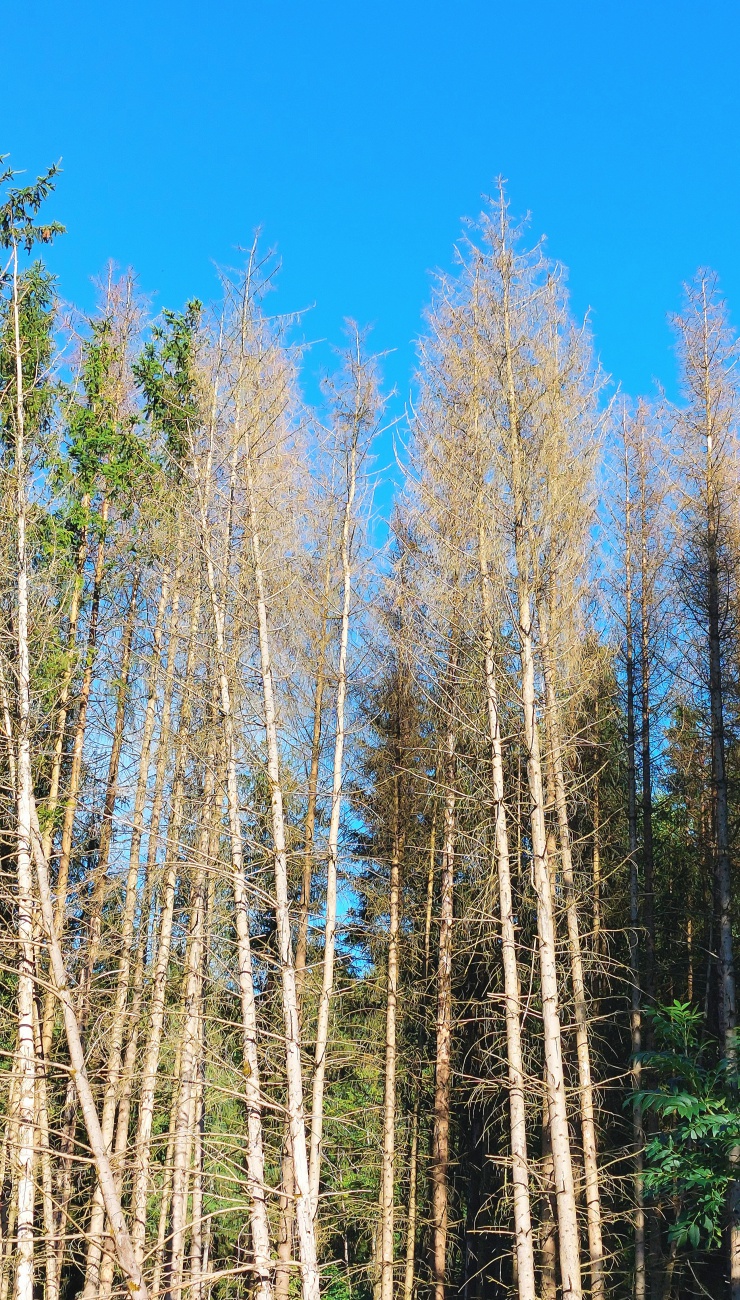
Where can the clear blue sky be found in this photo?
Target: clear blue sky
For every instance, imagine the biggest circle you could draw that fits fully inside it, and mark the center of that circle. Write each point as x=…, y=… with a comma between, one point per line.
x=357, y=136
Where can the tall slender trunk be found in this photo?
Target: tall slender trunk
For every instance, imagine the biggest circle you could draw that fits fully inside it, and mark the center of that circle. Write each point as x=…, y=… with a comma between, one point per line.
x=51, y=1291
x=150, y=1062
x=287, y=1197
x=253, y=1097
x=165, y=1190
x=648, y=857
x=25, y=1053
x=116, y=1059
x=309, y=825
x=190, y=1061
x=548, y=1221
x=411, y=1214
x=570, y=1262
x=588, y=1124
x=113, y=1065
x=330, y=926
x=443, y=1057
x=388, y=1159
x=128, y=1074
x=75, y=774
x=512, y=1003
x=121, y=1239
x=638, y=1135
x=109, y=803
x=295, y=1108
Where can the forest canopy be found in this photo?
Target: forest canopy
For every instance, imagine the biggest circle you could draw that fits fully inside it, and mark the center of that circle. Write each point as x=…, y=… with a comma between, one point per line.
x=367, y=912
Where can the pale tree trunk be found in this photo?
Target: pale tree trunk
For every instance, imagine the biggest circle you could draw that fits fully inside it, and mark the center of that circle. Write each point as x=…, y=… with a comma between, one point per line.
x=443, y=1055
x=648, y=864
x=548, y=1223
x=8, y=1165
x=133, y=1012
x=638, y=1136
x=9, y=1255
x=111, y=790
x=588, y=1124
x=165, y=1191
x=150, y=1064
x=116, y=1059
x=84, y=991
x=51, y=1291
x=570, y=1262
x=570, y=1267
x=201, y=1228
x=122, y=1241
x=114, y=1062
x=253, y=1097
x=196, y=1232
x=411, y=1215
x=388, y=1162
x=313, y=785
x=512, y=1000
x=190, y=1060
x=287, y=1196
x=75, y=774
x=330, y=927
x=128, y=1072
x=296, y=1114
x=25, y=1053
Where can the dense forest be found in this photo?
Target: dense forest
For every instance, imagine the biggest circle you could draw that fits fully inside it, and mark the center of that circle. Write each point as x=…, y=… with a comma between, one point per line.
x=367, y=909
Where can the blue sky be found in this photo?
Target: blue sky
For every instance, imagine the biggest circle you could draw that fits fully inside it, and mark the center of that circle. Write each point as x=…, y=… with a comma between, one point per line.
x=358, y=135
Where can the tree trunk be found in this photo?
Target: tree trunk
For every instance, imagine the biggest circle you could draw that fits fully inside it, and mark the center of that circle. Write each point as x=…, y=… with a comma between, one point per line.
x=190, y=1061
x=330, y=927
x=512, y=1004
x=570, y=1263
x=296, y=1114
x=588, y=1125
x=388, y=1158
x=548, y=1223
x=638, y=1136
x=150, y=1063
x=253, y=1097
x=411, y=1216
x=120, y=1017
x=25, y=1054
x=443, y=1057
x=313, y=783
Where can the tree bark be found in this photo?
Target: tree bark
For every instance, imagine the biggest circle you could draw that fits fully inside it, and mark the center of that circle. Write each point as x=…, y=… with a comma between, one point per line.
x=296, y=1113
x=588, y=1124
x=388, y=1159
x=638, y=1136
x=330, y=927
x=512, y=1004
x=253, y=1097
x=443, y=1056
